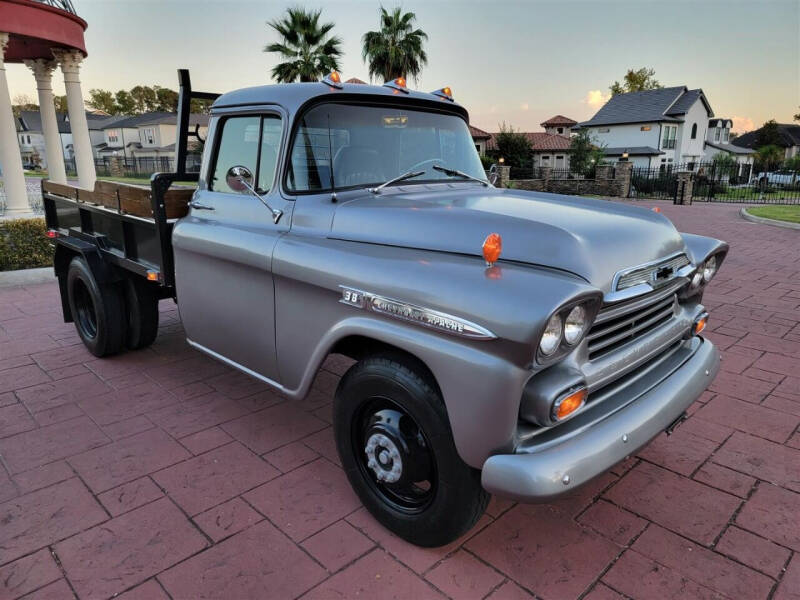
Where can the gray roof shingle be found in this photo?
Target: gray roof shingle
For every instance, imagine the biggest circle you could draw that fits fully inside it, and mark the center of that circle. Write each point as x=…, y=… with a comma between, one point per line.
x=650, y=106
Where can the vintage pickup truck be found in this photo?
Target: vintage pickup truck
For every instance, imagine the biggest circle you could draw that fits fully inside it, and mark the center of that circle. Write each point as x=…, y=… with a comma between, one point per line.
x=506, y=342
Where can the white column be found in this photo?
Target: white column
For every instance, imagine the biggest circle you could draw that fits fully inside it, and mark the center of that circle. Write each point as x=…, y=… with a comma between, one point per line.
x=10, y=158
x=70, y=61
x=43, y=72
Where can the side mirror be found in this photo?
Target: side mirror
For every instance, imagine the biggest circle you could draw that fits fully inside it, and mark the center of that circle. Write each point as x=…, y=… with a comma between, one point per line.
x=239, y=179
x=494, y=176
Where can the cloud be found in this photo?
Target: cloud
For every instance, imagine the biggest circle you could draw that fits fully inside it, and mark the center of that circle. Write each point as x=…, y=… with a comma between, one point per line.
x=596, y=98
x=524, y=106
x=742, y=124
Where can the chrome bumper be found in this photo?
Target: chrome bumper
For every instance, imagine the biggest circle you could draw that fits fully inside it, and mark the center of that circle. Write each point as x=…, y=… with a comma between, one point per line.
x=559, y=468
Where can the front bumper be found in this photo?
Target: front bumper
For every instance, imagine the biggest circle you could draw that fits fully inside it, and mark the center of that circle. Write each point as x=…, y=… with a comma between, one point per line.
x=539, y=475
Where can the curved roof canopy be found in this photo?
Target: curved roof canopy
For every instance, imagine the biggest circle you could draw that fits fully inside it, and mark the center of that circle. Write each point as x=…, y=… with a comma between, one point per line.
x=36, y=27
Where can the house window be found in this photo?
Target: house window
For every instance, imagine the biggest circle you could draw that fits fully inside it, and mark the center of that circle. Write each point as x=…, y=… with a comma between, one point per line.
x=148, y=136
x=113, y=135
x=645, y=128
x=716, y=134
x=560, y=130
x=545, y=160
x=670, y=133
x=603, y=130
x=694, y=133
x=726, y=134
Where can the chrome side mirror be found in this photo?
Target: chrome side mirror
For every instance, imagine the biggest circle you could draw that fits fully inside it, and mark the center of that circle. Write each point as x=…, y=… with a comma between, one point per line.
x=494, y=176
x=239, y=179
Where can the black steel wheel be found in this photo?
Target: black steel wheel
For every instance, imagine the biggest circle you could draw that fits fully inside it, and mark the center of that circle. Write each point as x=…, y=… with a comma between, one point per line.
x=98, y=311
x=394, y=440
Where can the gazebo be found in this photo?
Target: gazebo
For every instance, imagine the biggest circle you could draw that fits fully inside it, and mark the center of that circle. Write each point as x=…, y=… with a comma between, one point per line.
x=44, y=35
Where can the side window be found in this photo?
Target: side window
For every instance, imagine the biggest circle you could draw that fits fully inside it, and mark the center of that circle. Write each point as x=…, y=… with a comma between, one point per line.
x=268, y=155
x=238, y=146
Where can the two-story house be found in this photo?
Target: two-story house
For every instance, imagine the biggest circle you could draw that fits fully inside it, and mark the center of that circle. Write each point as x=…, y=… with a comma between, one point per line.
x=654, y=128
x=788, y=139
x=549, y=148
x=149, y=136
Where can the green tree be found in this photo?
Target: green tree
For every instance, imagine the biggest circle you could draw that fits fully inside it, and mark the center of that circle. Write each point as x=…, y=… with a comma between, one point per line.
x=125, y=103
x=769, y=157
x=768, y=135
x=166, y=99
x=102, y=100
x=513, y=146
x=309, y=51
x=396, y=50
x=725, y=164
x=23, y=102
x=793, y=163
x=144, y=98
x=584, y=153
x=637, y=80
x=60, y=103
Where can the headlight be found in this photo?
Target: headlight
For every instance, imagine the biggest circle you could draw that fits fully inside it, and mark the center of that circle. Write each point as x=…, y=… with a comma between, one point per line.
x=697, y=278
x=709, y=269
x=551, y=337
x=575, y=325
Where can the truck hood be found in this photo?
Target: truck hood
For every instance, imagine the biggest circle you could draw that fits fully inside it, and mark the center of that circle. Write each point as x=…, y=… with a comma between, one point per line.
x=590, y=238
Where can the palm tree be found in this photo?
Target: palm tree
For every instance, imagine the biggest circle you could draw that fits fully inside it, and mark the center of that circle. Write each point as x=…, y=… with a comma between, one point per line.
x=396, y=50
x=310, y=53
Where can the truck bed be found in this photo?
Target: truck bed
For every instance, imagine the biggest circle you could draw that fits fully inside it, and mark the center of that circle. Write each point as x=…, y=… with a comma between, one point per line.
x=130, y=225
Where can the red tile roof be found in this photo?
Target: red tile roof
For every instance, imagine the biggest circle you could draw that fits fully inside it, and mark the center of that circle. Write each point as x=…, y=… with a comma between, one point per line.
x=539, y=141
x=558, y=120
x=355, y=80
x=479, y=134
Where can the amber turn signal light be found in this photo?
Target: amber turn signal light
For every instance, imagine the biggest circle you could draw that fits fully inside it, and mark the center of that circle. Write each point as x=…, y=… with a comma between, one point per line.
x=656, y=209
x=700, y=324
x=492, y=247
x=152, y=275
x=567, y=405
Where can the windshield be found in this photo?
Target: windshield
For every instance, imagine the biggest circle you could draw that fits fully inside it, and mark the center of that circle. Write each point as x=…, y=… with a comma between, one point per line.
x=370, y=145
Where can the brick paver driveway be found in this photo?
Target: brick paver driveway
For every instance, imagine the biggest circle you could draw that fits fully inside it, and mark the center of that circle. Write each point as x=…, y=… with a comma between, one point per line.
x=162, y=473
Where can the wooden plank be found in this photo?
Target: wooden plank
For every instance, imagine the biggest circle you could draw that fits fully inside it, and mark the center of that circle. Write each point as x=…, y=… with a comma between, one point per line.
x=60, y=189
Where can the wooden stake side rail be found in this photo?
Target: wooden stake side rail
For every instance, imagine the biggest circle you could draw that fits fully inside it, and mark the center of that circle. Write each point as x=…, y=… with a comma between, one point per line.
x=125, y=198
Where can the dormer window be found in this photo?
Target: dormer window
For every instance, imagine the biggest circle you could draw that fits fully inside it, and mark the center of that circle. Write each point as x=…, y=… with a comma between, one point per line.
x=694, y=131
x=560, y=130
x=726, y=134
x=716, y=134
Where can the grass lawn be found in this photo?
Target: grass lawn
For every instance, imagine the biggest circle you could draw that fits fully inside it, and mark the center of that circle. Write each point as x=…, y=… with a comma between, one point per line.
x=779, y=212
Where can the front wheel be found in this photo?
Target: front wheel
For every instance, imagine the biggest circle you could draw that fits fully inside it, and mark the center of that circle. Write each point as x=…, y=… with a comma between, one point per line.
x=395, y=443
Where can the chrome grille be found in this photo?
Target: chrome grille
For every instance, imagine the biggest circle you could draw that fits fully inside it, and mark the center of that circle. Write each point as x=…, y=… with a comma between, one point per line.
x=645, y=273
x=621, y=323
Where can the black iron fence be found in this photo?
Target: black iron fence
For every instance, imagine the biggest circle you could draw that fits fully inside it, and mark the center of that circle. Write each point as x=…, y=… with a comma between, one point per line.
x=655, y=183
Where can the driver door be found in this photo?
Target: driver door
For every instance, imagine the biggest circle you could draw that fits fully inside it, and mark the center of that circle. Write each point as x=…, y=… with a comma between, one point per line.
x=223, y=248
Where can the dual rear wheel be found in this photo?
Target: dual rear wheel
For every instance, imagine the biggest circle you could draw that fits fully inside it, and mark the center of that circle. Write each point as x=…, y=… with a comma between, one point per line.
x=110, y=317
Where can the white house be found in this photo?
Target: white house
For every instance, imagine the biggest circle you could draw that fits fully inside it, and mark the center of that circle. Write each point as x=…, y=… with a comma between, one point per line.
x=718, y=141
x=788, y=139
x=655, y=128
x=146, y=136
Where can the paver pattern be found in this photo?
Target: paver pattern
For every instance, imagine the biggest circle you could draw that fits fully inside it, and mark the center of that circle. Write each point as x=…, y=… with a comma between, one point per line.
x=164, y=474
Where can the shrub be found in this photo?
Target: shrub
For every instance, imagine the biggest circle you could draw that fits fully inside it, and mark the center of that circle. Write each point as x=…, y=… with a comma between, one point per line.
x=487, y=161
x=23, y=245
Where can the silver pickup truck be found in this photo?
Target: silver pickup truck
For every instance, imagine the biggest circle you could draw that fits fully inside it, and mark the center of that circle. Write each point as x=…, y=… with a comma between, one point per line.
x=506, y=342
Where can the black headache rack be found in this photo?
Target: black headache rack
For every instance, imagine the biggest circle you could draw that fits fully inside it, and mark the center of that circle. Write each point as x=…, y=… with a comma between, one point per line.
x=126, y=226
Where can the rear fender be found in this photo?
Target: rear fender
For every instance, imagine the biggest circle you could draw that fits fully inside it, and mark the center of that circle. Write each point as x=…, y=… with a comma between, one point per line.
x=66, y=249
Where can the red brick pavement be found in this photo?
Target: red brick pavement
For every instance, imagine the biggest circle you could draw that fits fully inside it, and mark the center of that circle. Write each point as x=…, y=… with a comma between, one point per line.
x=162, y=473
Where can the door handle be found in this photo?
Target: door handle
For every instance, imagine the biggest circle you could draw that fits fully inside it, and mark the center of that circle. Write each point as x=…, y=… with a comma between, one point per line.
x=200, y=206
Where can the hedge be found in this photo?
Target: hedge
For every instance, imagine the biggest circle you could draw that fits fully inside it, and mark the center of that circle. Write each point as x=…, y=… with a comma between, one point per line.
x=24, y=245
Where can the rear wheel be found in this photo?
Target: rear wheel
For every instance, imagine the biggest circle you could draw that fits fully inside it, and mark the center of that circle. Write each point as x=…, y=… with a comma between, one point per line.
x=98, y=310
x=395, y=443
x=141, y=304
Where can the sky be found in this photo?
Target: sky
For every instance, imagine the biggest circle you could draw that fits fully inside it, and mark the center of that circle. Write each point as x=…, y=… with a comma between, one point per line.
x=513, y=62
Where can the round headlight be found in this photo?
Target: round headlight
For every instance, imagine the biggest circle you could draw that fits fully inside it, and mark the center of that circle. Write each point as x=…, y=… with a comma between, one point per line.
x=551, y=337
x=697, y=278
x=575, y=325
x=710, y=268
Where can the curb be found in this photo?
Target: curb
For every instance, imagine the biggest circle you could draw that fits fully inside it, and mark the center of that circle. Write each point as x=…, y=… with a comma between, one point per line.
x=785, y=224
x=27, y=277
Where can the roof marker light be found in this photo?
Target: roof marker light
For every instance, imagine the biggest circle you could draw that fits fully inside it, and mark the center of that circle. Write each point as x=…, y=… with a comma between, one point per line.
x=333, y=79
x=398, y=83
x=445, y=93
x=492, y=247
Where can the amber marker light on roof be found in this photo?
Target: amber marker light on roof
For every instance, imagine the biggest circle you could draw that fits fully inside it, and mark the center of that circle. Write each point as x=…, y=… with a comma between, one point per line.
x=399, y=83
x=492, y=247
x=565, y=406
x=444, y=93
x=333, y=79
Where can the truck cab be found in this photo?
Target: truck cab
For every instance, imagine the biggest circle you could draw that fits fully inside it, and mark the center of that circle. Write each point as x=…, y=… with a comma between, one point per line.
x=504, y=341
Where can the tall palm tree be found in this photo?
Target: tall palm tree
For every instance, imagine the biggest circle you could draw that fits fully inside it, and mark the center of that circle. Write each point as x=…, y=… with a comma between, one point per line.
x=304, y=42
x=396, y=50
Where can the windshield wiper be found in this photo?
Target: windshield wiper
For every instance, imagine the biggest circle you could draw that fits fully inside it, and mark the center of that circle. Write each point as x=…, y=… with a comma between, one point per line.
x=456, y=173
x=403, y=177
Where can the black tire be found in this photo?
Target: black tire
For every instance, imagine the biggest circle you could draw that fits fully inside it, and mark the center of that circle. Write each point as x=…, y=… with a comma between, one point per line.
x=141, y=304
x=451, y=499
x=98, y=310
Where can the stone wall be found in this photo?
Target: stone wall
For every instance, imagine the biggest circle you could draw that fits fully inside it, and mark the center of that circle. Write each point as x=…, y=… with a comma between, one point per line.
x=610, y=180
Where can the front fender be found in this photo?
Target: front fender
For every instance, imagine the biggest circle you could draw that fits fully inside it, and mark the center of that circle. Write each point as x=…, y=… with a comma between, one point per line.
x=701, y=247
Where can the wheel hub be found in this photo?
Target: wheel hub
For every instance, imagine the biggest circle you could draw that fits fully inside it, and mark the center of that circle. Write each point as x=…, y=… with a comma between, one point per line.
x=383, y=458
